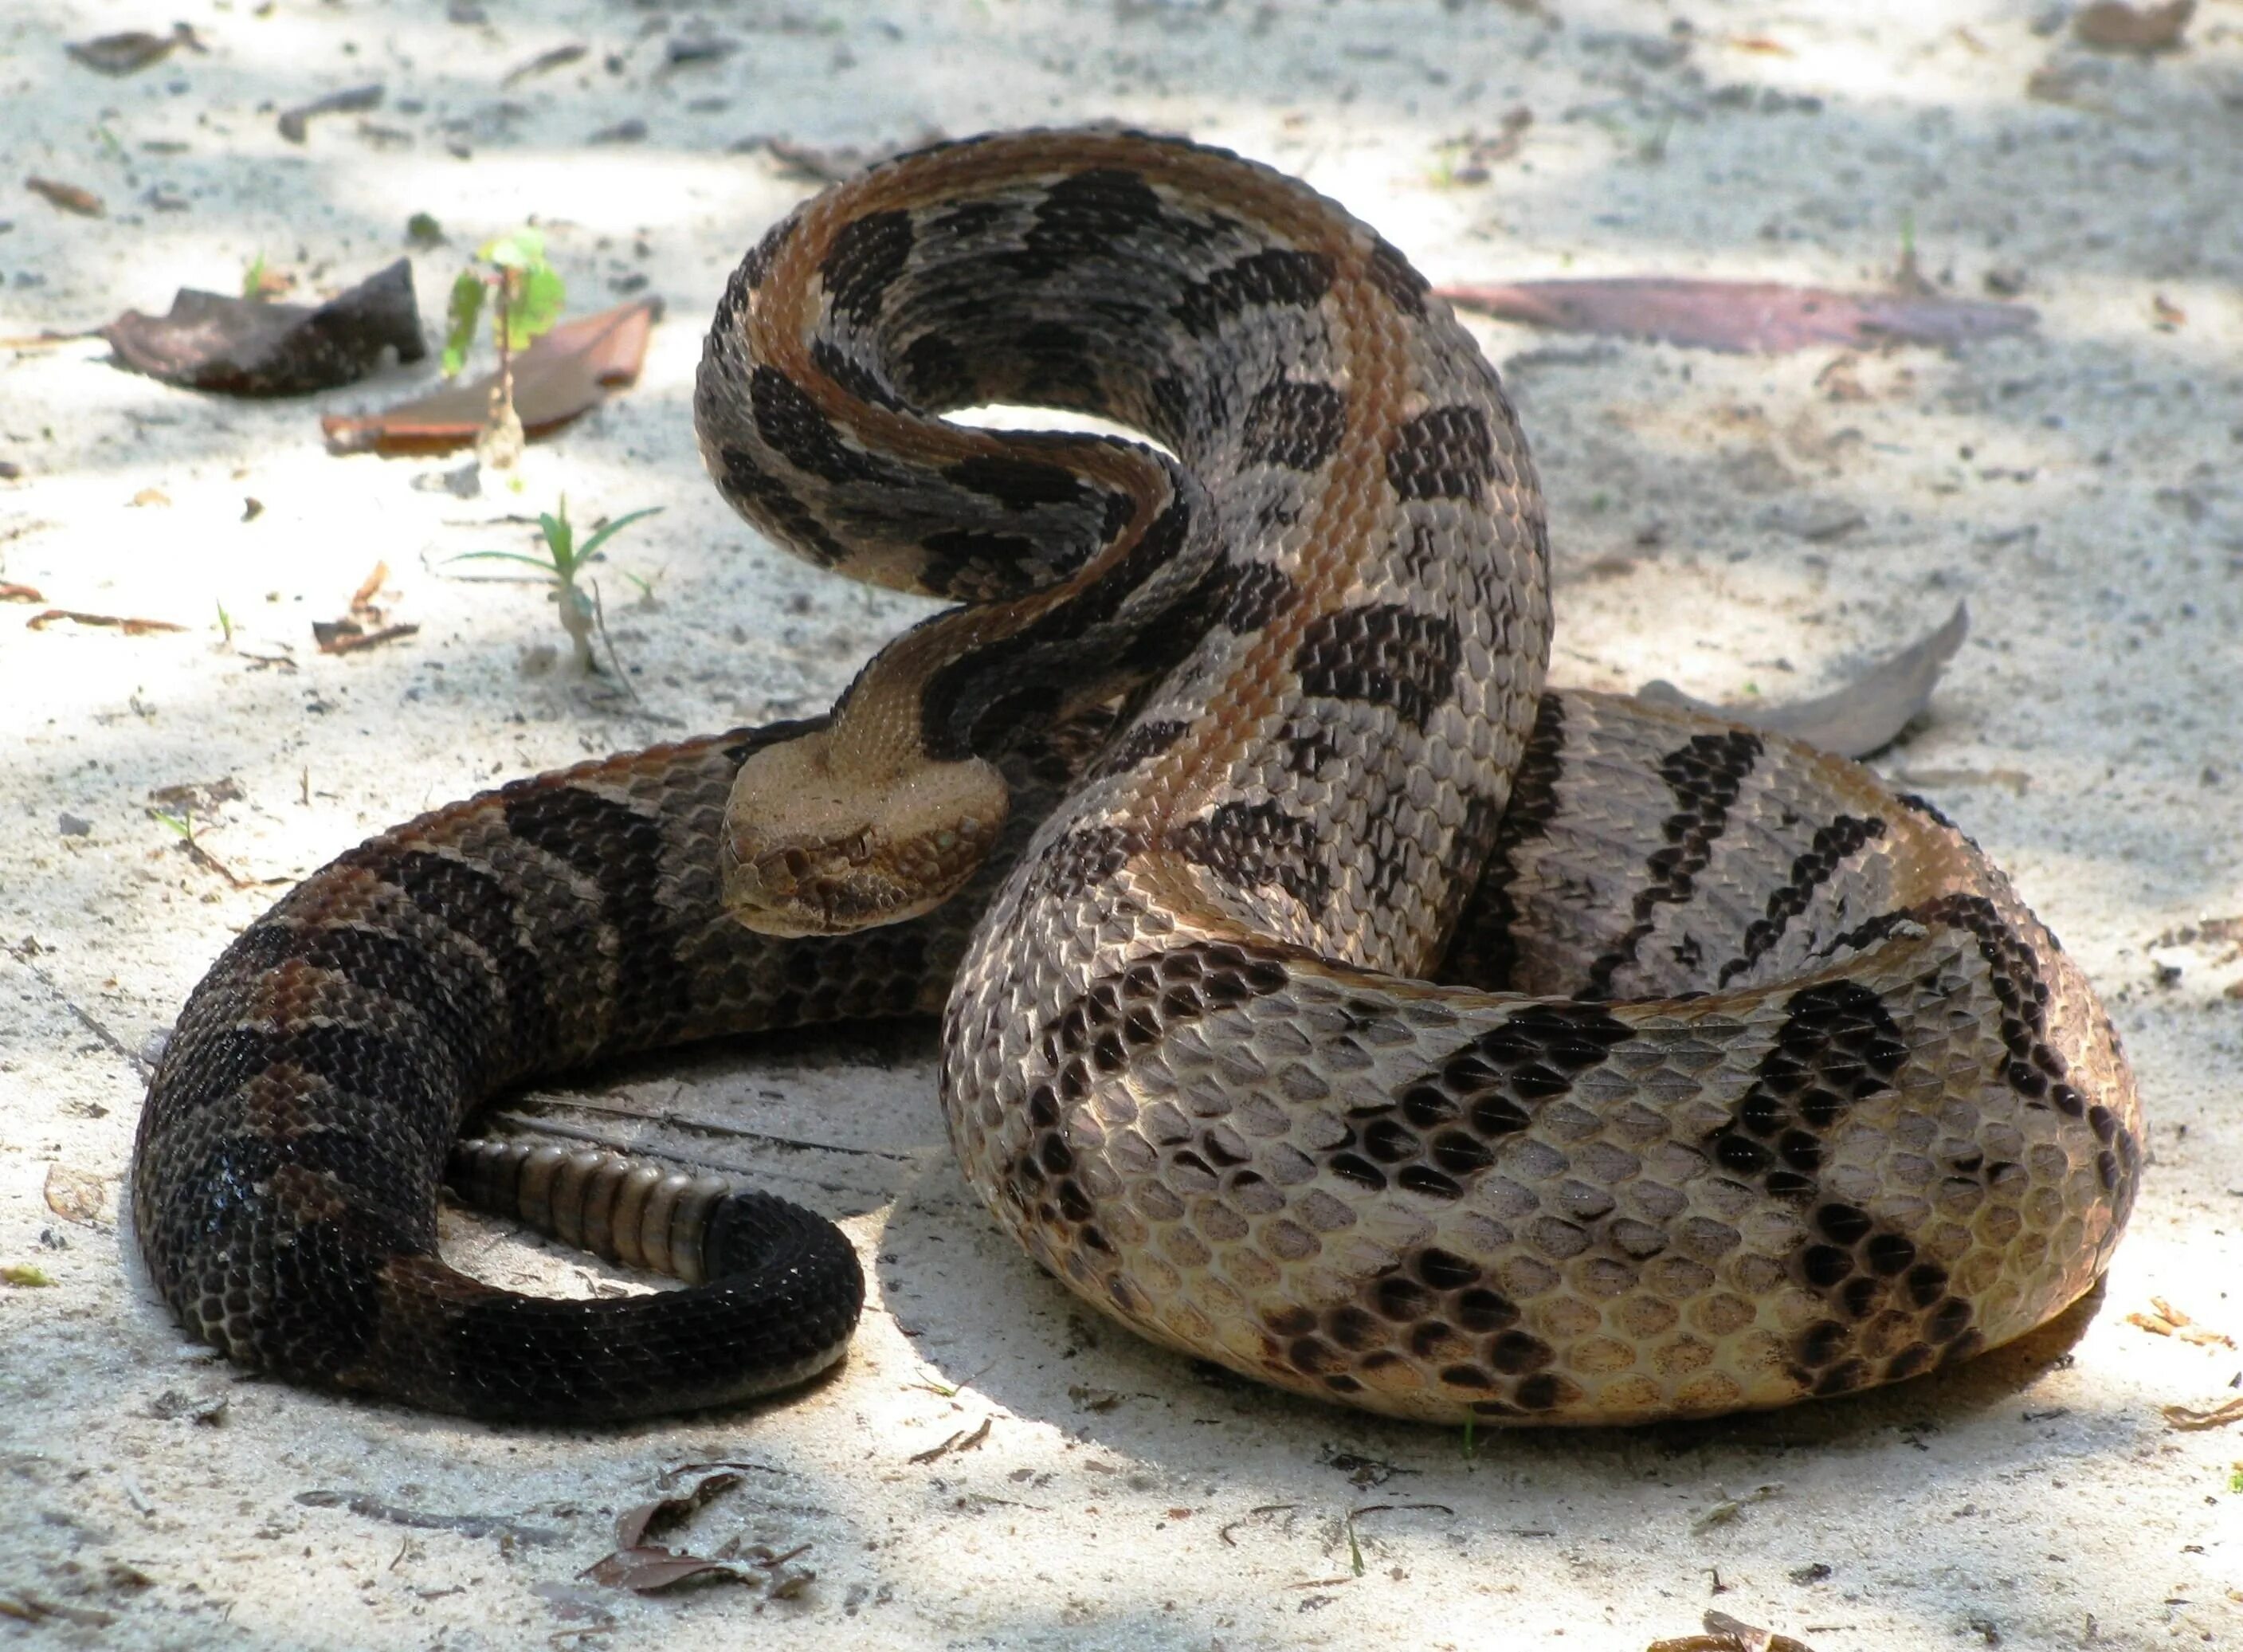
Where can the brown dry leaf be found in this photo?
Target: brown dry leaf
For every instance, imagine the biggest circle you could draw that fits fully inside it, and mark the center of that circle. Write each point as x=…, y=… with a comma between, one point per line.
x=69, y=197
x=647, y=1571
x=132, y=52
x=959, y=1441
x=2219, y=1416
x=2112, y=25
x=1726, y=1634
x=2169, y=1321
x=361, y=600
x=148, y=496
x=544, y=63
x=129, y=627
x=1744, y=316
x=1760, y=45
x=2189, y=1420
x=2164, y=314
x=635, y=1525
x=76, y=1195
x=20, y=594
x=238, y=347
x=1866, y=715
x=565, y=372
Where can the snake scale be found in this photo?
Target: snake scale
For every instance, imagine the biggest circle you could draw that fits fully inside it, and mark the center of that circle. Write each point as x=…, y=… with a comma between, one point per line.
x=1321, y=996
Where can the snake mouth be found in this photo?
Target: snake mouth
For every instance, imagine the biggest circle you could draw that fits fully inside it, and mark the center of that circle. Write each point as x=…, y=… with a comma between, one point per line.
x=820, y=888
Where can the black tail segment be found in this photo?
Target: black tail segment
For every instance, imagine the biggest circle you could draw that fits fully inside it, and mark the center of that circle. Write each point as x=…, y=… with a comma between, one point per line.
x=773, y=1293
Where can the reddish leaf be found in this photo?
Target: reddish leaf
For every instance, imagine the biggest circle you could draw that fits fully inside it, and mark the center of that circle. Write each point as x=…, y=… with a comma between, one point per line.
x=68, y=197
x=565, y=372
x=237, y=346
x=1764, y=316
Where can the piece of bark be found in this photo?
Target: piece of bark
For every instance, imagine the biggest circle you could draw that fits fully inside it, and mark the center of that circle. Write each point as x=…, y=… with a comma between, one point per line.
x=237, y=346
x=564, y=373
x=1767, y=317
x=1865, y=716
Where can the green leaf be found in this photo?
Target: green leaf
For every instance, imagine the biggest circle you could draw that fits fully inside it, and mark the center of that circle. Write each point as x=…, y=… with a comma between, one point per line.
x=518, y=250
x=536, y=305
x=560, y=539
x=466, y=303
x=592, y=545
x=422, y=230
x=253, y=278
x=539, y=564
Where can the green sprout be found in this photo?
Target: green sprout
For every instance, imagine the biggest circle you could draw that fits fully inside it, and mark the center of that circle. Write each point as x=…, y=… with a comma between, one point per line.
x=526, y=295
x=563, y=560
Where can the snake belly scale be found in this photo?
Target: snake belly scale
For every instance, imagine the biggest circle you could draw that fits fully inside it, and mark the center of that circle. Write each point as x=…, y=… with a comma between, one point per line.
x=1322, y=995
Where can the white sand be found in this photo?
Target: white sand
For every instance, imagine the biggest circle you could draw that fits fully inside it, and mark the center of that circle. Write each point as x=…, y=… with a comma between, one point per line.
x=2079, y=488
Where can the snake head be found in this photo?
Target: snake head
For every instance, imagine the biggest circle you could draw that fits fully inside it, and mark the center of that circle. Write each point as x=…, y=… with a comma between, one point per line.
x=821, y=839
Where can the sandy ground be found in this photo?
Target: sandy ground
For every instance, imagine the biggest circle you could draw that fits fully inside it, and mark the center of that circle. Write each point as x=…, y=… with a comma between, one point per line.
x=1744, y=526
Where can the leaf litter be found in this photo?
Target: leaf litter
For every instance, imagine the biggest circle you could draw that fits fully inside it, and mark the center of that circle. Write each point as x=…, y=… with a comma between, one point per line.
x=232, y=345
x=647, y=1568
x=1767, y=318
x=562, y=374
x=1866, y=715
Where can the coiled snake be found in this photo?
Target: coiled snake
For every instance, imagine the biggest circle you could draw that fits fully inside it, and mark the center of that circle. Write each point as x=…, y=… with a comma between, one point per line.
x=1321, y=995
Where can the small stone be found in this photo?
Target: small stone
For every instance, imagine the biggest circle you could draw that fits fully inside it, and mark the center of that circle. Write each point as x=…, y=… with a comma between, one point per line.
x=73, y=826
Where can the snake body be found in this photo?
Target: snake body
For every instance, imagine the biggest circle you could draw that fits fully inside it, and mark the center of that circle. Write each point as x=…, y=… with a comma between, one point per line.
x=1321, y=996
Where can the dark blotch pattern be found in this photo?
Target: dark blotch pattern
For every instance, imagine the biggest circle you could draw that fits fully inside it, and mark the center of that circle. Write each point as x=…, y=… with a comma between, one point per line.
x=1383, y=654
x=1446, y=452
x=1294, y=424
x=1252, y=846
x=1277, y=276
x=792, y=426
x=1832, y=847
x=867, y=256
x=1705, y=775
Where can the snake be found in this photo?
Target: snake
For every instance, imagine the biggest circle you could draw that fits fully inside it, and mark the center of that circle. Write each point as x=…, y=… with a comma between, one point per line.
x=1323, y=994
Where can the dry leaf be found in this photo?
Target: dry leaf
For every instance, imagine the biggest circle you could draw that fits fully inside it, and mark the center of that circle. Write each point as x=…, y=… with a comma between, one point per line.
x=1726, y=1634
x=237, y=346
x=2112, y=25
x=565, y=372
x=647, y=1571
x=1743, y=316
x=959, y=1441
x=2219, y=1416
x=354, y=101
x=129, y=627
x=1866, y=715
x=132, y=52
x=1760, y=45
x=20, y=594
x=76, y=1195
x=559, y=57
x=2170, y=1321
x=635, y=1525
x=348, y=636
x=69, y=197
